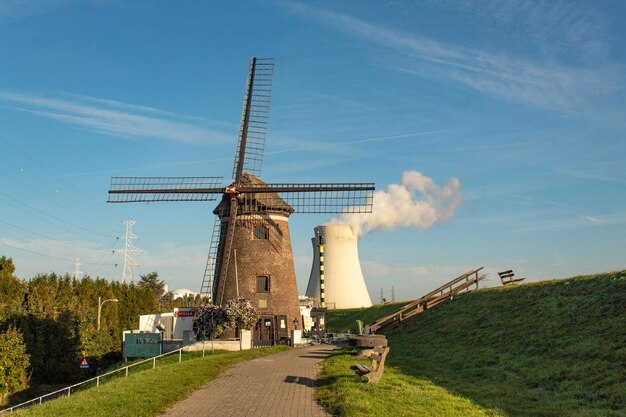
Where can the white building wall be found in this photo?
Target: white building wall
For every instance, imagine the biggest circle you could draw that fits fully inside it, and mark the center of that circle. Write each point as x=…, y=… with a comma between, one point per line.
x=343, y=279
x=181, y=323
x=148, y=322
x=305, y=313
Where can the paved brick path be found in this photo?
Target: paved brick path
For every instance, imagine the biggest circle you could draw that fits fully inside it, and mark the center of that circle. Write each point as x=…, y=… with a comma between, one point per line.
x=272, y=386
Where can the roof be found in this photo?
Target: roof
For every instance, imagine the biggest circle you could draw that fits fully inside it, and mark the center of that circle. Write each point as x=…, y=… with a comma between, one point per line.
x=254, y=203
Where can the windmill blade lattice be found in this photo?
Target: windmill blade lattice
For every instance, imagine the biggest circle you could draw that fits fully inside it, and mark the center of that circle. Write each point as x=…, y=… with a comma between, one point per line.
x=322, y=198
x=254, y=118
x=152, y=189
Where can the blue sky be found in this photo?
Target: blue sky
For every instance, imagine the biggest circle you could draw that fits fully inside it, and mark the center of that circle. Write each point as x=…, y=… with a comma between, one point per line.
x=521, y=102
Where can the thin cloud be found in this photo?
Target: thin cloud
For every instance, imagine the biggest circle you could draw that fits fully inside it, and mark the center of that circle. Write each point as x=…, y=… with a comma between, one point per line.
x=103, y=102
x=595, y=176
x=115, y=118
x=580, y=212
x=552, y=27
x=541, y=84
x=145, y=167
x=15, y=9
x=295, y=145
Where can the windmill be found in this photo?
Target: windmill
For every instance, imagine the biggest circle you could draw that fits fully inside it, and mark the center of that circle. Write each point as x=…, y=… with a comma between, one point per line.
x=250, y=251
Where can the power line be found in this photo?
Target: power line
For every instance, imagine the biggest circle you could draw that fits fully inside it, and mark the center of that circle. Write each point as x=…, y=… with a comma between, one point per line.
x=44, y=196
x=26, y=230
x=110, y=270
x=35, y=252
x=106, y=261
x=27, y=156
x=94, y=273
x=53, y=217
x=54, y=256
x=48, y=255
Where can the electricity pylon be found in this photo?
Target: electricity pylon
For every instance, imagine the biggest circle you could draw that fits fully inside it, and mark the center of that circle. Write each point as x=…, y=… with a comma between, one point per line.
x=77, y=271
x=129, y=250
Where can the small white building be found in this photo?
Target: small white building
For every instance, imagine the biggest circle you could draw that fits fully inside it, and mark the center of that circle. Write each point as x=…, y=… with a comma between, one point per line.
x=173, y=325
x=306, y=304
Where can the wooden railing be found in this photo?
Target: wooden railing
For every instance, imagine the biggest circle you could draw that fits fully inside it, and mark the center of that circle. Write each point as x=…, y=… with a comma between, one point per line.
x=457, y=285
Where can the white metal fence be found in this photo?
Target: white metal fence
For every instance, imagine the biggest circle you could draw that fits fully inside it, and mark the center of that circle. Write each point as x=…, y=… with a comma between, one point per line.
x=67, y=391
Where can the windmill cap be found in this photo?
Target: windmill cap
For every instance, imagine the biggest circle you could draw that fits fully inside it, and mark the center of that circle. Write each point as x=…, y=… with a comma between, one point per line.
x=254, y=203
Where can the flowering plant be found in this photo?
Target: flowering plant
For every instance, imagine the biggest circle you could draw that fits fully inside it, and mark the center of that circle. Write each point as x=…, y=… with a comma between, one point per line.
x=210, y=320
x=240, y=314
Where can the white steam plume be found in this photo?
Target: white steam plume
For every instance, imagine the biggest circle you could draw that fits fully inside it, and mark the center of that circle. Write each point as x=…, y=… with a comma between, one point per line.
x=417, y=202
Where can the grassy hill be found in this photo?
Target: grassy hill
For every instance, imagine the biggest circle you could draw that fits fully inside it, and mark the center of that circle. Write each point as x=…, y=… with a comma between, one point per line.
x=554, y=348
x=344, y=321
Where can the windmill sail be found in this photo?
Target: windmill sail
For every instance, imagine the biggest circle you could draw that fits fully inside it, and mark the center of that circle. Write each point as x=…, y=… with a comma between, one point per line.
x=150, y=189
x=254, y=118
x=327, y=198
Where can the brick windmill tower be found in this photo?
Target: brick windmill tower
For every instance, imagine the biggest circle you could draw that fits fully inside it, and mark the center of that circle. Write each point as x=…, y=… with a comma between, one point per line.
x=250, y=253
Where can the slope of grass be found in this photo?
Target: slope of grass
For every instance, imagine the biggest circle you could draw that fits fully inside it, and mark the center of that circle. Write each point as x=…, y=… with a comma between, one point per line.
x=554, y=348
x=344, y=321
x=37, y=390
x=145, y=393
x=343, y=393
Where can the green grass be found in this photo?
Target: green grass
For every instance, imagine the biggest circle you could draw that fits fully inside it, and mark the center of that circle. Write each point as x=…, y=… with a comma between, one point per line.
x=37, y=390
x=343, y=393
x=344, y=321
x=545, y=349
x=147, y=392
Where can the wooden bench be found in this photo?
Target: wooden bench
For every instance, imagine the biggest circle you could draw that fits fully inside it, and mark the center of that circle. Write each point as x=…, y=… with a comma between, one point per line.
x=374, y=372
x=508, y=277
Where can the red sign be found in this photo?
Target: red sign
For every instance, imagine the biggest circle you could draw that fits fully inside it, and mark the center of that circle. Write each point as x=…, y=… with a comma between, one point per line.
x=185, y=313
x=84, y=364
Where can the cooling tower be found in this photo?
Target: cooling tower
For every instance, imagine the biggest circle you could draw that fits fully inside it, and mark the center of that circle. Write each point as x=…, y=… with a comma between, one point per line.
x=343, y=280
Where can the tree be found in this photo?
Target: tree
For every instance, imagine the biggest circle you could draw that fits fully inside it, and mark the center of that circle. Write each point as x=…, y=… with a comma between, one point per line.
x=14, y=363
x=156, y=286
x=133, y=301
x=11, y=288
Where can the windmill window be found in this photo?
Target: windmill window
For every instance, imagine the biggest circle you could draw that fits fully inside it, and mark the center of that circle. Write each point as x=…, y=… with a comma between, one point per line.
x=262, y=283
x=261, y=232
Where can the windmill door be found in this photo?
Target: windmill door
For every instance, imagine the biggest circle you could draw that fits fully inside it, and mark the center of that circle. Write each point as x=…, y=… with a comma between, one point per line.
x=264, y=332
x=281, y=325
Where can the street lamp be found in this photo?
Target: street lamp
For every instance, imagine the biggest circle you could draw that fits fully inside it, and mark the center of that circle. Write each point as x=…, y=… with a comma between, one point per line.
x=115, y=300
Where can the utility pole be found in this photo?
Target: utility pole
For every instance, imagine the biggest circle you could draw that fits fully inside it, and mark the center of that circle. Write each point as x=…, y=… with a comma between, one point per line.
x=393, y=294
x=129, y=251
x=382, y=296
x=100, y=304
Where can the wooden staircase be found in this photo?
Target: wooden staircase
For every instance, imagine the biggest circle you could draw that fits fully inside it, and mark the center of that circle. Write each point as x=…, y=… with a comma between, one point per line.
x=458, y=285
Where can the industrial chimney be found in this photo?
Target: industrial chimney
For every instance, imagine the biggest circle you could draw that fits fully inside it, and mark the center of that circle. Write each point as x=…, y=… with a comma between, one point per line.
x=344, y=286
